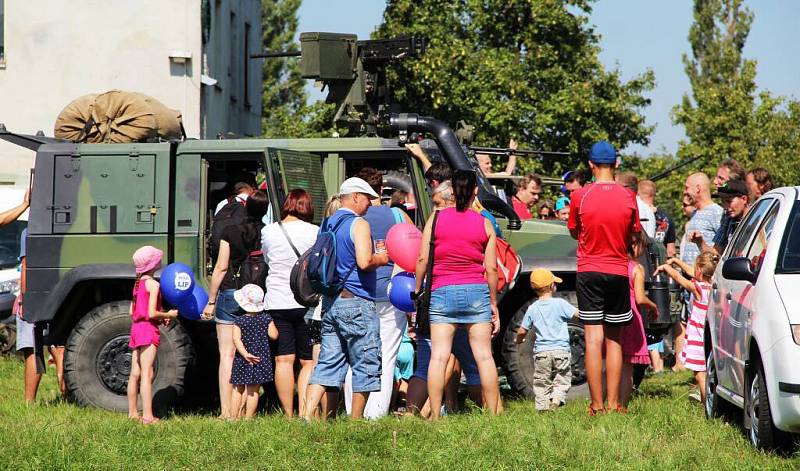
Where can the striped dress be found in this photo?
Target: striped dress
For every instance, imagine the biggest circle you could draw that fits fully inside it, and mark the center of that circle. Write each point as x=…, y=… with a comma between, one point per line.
x=694, y=355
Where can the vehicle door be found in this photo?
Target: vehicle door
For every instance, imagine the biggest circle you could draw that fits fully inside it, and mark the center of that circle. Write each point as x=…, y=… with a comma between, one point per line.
x=290, y=169
x=727, y=296
x=743, y=315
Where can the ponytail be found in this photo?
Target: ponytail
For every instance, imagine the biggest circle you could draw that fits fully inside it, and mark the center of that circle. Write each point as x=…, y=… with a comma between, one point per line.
x=464, y=183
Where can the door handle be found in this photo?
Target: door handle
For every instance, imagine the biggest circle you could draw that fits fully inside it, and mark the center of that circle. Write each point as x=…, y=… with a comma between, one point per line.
x=728, y=297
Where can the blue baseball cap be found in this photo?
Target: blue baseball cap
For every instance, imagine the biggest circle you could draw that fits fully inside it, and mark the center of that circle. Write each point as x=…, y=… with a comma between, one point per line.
x=562, y=203
x=603, y=152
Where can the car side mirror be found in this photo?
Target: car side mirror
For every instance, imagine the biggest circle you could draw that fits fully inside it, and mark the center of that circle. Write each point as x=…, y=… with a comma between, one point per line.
x=738, y=268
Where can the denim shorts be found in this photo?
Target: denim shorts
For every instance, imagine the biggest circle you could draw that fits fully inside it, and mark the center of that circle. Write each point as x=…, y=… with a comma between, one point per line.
x=461, y=350
x=461, y=304
x=350, y=338
x=227, y=310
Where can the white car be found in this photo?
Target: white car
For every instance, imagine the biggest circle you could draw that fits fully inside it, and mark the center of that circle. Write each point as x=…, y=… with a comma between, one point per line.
x=9, y=250
x=752, y=333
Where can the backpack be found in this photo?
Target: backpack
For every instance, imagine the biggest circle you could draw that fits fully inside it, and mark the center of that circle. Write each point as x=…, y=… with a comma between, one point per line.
x=320, y=260
x=253, y=270
x=232, y=214
x=298, y=279
x=508, y=265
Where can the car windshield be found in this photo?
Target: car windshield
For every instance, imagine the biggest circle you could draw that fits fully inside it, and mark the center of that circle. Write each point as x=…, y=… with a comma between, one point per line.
x=9, y=243
x=789, y=259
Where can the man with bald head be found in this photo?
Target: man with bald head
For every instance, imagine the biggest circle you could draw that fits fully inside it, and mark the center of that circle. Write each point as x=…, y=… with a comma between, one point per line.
x=706, y=220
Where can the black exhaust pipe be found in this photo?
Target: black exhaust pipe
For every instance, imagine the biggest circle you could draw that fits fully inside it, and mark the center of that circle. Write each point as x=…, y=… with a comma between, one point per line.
x=457, y=158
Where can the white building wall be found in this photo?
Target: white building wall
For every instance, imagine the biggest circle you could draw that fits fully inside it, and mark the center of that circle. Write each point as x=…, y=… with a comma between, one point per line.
x=56, y=51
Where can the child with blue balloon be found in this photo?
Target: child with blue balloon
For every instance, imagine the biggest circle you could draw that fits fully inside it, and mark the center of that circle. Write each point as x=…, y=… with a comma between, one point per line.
x=147, y=315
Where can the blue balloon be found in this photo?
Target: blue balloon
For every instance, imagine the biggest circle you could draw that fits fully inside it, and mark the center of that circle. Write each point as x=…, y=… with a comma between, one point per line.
x=177, y=282
x=192, y=306
x=400, y=288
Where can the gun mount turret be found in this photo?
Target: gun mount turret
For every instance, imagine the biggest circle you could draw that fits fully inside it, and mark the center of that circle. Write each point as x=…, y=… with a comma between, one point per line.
x=354, y=73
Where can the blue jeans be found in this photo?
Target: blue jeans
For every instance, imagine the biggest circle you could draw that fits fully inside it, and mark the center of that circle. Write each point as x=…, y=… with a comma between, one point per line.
x=461, y=304
x=227, y=310
x=350, y=337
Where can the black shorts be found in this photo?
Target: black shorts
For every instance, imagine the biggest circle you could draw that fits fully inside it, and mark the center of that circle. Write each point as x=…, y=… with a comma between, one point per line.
x=294, y=336
x=604, y=298
x=316, y=331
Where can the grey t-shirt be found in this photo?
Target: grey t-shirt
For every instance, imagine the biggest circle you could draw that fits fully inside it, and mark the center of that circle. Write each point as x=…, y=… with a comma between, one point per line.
x=707, y=222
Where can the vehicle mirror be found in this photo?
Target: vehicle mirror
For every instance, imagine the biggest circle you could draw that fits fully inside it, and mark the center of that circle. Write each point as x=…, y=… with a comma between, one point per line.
x=738, y=268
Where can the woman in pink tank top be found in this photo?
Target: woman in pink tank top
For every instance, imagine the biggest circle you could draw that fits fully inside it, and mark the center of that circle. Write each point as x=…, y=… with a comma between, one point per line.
x=462, y=296
x=147, y=316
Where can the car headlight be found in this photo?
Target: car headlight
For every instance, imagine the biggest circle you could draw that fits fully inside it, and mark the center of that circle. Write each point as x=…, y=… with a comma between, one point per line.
x=9, y=286
x=796, y=333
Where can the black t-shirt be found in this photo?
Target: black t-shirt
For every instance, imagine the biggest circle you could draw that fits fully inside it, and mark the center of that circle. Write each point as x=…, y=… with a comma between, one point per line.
x=665, y=228
x=240, y=249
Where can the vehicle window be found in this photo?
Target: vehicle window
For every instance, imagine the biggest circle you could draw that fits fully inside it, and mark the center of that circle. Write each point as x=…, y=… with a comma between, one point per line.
x=761, y=239
x=746, y=229
x=789, y=258
x=9, y=243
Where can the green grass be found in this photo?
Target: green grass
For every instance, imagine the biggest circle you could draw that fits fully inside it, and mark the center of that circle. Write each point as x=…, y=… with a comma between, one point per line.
x=664, y=430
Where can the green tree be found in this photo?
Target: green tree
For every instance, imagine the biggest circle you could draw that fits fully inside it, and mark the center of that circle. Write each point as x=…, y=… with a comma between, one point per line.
x=517, y=68
x=284, y=112
x=726, y=116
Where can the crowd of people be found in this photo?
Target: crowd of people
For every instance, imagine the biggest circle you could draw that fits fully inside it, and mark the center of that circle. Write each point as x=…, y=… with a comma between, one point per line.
x=355, y=346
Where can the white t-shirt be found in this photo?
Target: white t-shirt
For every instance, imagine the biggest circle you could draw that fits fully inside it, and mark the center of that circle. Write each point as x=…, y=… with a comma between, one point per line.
x=242, y=197
x=647, y=217
x=281, y=258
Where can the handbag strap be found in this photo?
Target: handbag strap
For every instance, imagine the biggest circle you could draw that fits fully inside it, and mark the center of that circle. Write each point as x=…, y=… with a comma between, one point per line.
x=428, y=281
x=286, y=234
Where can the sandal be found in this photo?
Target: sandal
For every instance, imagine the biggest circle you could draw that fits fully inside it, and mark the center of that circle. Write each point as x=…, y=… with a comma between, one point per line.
x=594, y=412
x=152, y=421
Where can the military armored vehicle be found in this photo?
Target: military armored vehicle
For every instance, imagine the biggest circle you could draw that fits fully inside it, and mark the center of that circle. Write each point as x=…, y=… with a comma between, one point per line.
x=93, y=205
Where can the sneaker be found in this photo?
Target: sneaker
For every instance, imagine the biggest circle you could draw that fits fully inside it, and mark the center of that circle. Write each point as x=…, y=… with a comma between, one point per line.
x=694, y=395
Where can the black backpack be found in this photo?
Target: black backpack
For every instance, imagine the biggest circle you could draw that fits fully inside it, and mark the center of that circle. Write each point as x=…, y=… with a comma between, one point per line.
x=232, y=214
x=298, y=279
x=252, y=270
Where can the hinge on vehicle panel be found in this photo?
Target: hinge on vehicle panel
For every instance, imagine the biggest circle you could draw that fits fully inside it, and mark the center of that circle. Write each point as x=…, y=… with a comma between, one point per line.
x=133, y=159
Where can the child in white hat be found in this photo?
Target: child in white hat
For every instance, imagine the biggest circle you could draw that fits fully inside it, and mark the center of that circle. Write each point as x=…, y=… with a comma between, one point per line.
x=252, y=365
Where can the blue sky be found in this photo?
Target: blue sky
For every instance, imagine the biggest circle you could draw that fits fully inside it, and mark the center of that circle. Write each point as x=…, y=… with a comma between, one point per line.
x=635, y=35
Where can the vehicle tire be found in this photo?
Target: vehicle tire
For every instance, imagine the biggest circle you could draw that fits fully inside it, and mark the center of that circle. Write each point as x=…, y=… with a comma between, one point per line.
x=715, y=406
x=761, y=432
x=518, y=358
x=97, y=360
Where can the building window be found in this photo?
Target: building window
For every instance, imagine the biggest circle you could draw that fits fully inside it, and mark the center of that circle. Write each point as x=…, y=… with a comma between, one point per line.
x=2, y=33
x=232, y=62
x=246, y=61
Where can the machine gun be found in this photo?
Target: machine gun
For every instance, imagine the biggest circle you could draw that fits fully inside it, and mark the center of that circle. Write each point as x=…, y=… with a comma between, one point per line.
x=354, y=72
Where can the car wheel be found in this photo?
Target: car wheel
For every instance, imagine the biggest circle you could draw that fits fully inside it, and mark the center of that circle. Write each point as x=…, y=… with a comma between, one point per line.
x=518, y=358
x=762, y=432
x=97, y=360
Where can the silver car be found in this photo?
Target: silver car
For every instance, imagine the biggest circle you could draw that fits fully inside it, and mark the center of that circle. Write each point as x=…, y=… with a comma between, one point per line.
x=752, y=332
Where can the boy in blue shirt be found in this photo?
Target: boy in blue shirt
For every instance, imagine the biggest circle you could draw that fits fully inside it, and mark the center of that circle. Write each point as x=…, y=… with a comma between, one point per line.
x=552, y=374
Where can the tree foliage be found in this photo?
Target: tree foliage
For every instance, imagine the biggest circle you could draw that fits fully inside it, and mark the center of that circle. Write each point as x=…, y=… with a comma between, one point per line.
x=517, y=68
x=284, y=111
x=726, y=116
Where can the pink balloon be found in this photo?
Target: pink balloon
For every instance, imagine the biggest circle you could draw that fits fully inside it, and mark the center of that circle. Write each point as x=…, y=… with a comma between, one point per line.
x=403, y=242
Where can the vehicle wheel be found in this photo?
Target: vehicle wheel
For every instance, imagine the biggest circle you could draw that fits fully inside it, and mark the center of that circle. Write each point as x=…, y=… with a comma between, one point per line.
x=97, y=360
x=762, y=432
x=8, y=338
x=518, y=359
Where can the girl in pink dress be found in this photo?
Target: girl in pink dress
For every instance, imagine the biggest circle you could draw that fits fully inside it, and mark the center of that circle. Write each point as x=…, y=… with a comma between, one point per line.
x=634, y=343
x=147, y=315
x=694, y=355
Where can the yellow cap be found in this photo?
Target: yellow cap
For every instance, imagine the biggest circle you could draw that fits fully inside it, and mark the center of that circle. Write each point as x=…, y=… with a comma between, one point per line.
x=542, y=278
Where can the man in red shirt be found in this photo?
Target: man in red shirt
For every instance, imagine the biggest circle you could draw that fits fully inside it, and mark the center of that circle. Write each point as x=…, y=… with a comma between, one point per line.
x=529, y=189
x=603, y=216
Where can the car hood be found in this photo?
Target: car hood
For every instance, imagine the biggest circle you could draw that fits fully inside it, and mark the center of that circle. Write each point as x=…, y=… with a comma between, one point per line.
x=790, y=295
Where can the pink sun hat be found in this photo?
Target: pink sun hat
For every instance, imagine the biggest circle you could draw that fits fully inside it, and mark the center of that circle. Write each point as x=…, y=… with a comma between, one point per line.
x=147, y=258
x=250, y=298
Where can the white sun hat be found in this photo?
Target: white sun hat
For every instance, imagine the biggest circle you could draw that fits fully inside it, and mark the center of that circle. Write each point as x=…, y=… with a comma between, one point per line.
x=250, y=298
x=357, y=185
